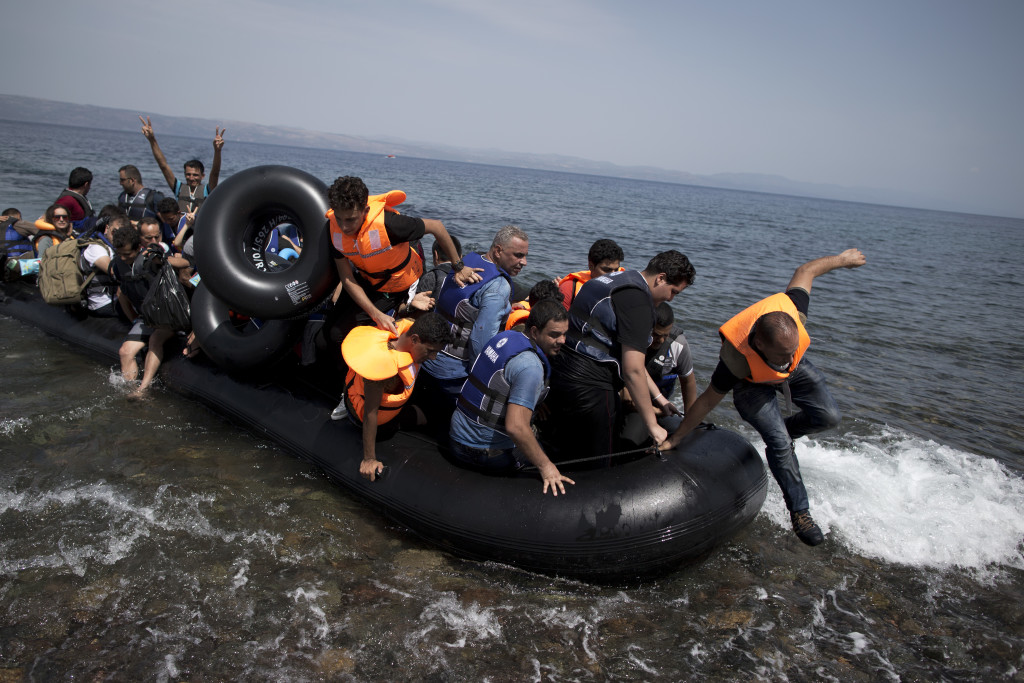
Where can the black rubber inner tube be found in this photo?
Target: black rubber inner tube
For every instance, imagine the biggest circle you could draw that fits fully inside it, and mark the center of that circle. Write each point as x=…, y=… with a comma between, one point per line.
x=233, y=228
x=235, y=348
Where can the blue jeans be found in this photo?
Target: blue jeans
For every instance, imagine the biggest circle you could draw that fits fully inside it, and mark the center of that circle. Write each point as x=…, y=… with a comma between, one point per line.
x=759, y=405
x=487, y=458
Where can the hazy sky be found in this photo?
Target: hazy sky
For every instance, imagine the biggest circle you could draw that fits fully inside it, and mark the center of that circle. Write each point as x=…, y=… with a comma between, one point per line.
x=925, y=97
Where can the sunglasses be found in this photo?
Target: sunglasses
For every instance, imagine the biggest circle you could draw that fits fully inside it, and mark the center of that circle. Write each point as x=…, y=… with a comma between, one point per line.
x=61, y=217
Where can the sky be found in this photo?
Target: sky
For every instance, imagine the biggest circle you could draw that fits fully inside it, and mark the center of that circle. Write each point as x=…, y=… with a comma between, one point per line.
x=924, y=98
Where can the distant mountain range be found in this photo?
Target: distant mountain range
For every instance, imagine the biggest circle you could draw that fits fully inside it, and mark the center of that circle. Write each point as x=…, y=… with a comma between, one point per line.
x=17, y=108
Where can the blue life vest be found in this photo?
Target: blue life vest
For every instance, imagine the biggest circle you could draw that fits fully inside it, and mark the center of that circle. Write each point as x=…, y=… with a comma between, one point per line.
x=16, y=242
x=484, y=397
x=275, y=244
x=453, y=302
x=593, y=329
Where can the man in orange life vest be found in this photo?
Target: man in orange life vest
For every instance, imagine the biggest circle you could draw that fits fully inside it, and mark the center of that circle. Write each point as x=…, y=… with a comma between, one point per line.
x=605, y=256
x=762, y=353
x=382, y=372
x=374, y=257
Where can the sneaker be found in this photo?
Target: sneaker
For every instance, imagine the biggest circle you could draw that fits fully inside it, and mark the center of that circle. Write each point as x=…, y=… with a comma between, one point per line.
x=805, y=528
x=341, y=412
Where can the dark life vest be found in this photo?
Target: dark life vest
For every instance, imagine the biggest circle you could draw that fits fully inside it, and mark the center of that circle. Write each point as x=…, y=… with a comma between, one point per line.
x=593, y=329
x=142, y=204
x=189, y=200
x=88, y=212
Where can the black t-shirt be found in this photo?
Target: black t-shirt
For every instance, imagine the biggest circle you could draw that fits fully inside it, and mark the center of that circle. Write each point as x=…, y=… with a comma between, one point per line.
x=634, y=318
x=723, y=379
x=634, y=321
x=400, y=228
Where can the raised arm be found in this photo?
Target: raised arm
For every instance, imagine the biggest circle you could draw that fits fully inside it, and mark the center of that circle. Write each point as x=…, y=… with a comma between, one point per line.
x=161, y=161
x=805, y=274
x=218, y=144
x=179, y=239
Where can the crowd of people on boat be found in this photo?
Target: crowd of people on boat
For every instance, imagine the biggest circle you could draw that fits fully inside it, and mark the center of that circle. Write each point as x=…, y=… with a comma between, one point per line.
x=120, y=246
x=584, y=366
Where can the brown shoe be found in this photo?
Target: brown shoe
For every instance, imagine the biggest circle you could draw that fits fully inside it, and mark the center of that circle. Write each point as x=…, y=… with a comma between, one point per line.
x=805, y=528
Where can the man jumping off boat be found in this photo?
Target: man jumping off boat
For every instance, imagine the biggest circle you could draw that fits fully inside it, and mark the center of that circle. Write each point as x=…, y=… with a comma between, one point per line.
x=762, y=353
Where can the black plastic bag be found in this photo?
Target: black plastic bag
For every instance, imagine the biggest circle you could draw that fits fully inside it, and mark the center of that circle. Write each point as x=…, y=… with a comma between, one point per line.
x=166, y=303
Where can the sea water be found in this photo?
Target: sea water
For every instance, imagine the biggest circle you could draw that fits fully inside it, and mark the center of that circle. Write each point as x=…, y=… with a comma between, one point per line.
x=154, y=541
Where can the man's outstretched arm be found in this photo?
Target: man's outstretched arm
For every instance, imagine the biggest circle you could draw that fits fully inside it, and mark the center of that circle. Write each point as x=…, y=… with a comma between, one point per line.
x=805, y=274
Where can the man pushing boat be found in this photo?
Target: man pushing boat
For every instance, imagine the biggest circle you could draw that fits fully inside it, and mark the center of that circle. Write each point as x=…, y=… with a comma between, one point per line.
x=762, y=353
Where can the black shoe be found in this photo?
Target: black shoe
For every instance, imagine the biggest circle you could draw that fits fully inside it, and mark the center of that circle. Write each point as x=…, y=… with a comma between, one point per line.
x=805, y=528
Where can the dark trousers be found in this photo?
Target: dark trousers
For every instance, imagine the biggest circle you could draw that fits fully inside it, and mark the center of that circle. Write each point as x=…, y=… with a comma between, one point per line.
x=584, y=421
x=758, y=404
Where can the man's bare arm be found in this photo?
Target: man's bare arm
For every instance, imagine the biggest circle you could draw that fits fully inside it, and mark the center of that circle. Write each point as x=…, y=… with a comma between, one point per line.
x=161, y=161
x=805, y=274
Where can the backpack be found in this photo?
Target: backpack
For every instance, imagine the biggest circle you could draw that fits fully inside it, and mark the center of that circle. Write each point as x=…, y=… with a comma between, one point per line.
x=61, y=281
x=166, y=304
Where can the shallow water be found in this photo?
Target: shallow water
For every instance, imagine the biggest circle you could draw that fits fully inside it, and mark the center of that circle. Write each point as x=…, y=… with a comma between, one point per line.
x=155, y=541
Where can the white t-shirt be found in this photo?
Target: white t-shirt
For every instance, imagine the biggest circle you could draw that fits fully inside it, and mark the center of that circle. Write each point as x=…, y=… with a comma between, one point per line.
x=98, y=296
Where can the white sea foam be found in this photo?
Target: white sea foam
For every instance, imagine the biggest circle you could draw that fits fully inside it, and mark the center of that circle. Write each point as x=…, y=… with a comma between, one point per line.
x=167, y=669
x=309, y=597
x=240, y=578
x=468, y=623
x=911, y=501
x=11, y=425
x=126, y=520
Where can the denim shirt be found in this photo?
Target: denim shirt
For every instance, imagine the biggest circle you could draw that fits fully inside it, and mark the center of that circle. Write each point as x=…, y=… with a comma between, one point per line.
x=492, y=300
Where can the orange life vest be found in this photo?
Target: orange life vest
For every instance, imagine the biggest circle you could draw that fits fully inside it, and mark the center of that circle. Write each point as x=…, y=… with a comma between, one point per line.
x=737, y=332
x=387, y=267
x=47, y=230
x=366, y=351
x=578, y=279
x=518, y=315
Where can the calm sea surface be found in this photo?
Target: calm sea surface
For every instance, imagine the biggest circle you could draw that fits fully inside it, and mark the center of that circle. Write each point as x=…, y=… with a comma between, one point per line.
x=157, y=542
